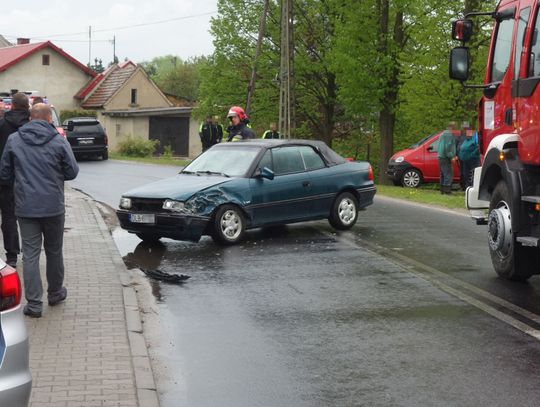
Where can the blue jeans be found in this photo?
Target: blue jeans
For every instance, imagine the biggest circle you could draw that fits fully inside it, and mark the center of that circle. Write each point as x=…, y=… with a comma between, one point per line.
x=447, y=171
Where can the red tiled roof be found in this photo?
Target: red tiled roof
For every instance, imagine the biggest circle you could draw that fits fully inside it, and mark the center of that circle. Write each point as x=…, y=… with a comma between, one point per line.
x=106, y=86
x=9, y=56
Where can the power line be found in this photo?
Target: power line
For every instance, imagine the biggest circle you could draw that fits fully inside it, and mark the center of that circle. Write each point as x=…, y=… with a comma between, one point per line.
x=119, y=28
x=45, y=39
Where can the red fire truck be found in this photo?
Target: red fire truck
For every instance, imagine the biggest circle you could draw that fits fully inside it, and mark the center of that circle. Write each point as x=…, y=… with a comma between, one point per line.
x=506, y=190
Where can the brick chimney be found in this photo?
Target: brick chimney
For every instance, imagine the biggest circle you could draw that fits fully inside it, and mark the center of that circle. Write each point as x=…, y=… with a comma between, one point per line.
x=22, y=41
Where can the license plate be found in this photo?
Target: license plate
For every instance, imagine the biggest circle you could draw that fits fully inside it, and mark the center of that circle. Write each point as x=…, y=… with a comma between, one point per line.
x=86, y=141
x=142, y=218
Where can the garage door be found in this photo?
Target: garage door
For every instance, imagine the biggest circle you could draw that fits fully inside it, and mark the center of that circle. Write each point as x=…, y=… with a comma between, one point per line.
x=171, y=131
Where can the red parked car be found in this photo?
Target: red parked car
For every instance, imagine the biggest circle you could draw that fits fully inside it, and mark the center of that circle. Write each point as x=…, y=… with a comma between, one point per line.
x=419, y=163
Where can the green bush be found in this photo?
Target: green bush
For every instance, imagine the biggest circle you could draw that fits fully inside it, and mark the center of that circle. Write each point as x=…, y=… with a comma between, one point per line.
x=137, y=147
x=68, y=114
x=167, y=151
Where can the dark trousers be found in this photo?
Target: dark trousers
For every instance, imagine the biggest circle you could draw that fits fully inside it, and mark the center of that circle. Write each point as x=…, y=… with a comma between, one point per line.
x=468, y=171
x=462, y=175
x=10, y=233
x=34, y=231
x=447, y=172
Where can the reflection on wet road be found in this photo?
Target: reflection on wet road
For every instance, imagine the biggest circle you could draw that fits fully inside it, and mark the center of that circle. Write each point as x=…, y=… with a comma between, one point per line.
x=297, y=317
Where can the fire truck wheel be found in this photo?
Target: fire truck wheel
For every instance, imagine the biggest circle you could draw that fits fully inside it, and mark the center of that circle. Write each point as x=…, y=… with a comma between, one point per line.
x=510, y=259
x=411, y=178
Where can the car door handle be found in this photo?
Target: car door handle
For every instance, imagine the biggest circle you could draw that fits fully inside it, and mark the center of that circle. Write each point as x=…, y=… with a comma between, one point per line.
x=306, y=184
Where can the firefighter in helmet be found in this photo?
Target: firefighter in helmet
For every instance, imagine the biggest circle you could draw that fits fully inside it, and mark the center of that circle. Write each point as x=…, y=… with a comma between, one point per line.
x=239, y=130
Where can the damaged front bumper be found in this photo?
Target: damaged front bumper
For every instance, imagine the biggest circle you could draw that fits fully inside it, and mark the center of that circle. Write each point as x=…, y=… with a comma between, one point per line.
x=172, y=225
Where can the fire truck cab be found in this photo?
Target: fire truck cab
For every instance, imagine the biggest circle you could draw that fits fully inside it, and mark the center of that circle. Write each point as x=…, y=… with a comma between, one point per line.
x=506, y=191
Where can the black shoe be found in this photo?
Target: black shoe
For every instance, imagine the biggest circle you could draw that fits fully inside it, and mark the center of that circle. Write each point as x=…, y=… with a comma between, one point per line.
x=12, y=261
x=32, y=314
x=57, y=299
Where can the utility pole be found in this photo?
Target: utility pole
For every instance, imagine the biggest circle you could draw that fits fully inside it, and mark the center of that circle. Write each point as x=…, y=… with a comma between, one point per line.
x=89, y=45
x=286, y=74
x=251, y=86
x=114, y=49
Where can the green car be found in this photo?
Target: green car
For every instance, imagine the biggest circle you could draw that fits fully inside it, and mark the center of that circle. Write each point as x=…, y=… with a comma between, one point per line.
x=233, y=187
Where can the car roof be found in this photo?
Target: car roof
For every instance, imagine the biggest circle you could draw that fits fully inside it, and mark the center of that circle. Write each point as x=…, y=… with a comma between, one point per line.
x=81, y=119
x=330, y=155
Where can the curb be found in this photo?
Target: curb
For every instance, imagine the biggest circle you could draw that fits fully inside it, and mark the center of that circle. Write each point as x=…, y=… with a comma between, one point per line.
x=147, y=395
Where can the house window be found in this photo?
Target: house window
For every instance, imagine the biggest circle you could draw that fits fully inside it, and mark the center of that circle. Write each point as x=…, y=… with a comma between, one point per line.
x=133, y=96
x=118, y=129
x=45, y=59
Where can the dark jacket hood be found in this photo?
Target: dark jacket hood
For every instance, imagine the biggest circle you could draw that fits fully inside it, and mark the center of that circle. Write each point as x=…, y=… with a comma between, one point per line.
x=17, y=118
x=37, y=132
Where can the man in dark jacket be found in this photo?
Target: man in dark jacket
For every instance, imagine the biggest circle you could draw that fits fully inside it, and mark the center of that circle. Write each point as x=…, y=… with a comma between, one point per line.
x=208, y=134
x=38, y=160
x=13, y=119
x=272, y=132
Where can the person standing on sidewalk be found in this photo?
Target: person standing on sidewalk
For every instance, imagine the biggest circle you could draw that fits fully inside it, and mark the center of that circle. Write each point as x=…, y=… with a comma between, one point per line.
x=447, y=155
x=38, y=160
x=13, y=119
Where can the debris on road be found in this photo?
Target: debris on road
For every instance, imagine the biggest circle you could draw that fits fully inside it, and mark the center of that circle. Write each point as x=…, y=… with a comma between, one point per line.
x=167, y=277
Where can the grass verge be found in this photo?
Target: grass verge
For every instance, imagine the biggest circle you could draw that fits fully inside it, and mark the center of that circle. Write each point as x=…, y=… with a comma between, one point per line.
x=150, y=160
x=426, y=194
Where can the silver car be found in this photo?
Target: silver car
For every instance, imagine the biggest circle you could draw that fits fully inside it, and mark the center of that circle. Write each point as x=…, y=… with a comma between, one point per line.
x=15, y=378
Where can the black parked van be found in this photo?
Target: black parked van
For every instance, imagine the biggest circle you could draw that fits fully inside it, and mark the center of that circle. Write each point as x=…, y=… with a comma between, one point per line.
x=86, y=137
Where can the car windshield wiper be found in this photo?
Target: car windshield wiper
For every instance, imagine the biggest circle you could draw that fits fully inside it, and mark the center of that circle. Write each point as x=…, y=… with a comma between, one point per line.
x=213, y=173
x=186, y=172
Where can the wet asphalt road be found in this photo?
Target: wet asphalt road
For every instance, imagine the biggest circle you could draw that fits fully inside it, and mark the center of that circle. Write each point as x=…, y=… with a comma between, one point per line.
x=302, y=316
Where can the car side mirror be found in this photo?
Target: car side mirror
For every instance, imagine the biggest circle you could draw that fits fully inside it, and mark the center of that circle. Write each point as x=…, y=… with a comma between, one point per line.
x=70, y=125
x=267, y=173
x=430, y=148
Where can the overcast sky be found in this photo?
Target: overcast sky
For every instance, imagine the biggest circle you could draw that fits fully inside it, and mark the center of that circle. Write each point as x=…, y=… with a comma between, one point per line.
x=66, y=23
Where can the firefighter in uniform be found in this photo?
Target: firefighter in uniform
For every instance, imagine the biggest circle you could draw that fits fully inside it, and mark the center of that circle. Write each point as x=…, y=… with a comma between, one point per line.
x=239, y=130
x=208, y=134
x=272, y=133
x=219, y=128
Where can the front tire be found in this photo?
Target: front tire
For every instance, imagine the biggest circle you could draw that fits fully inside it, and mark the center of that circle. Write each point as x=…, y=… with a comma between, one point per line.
x=510, y=259
x=344, y=211
x=229, y=225
x=411, y=178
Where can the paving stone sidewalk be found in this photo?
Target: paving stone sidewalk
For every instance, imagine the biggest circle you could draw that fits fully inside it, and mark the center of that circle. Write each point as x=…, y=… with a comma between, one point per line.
x=89, y=351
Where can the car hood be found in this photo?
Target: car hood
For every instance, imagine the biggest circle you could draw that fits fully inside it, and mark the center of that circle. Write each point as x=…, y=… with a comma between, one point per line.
x=179, y=187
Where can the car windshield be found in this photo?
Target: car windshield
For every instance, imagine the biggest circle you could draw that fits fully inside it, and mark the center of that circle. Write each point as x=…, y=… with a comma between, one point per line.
x=232, y=162
x=419, y=143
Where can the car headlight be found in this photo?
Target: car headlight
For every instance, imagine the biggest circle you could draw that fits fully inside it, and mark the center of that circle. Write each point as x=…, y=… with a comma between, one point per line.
x=125, y=203
x=175, y=206
x=399, y=159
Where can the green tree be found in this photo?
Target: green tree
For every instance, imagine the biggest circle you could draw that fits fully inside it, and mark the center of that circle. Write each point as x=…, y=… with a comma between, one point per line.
x=226, y=77
x=392, y=64
x=97, y=66
x=175, y=76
